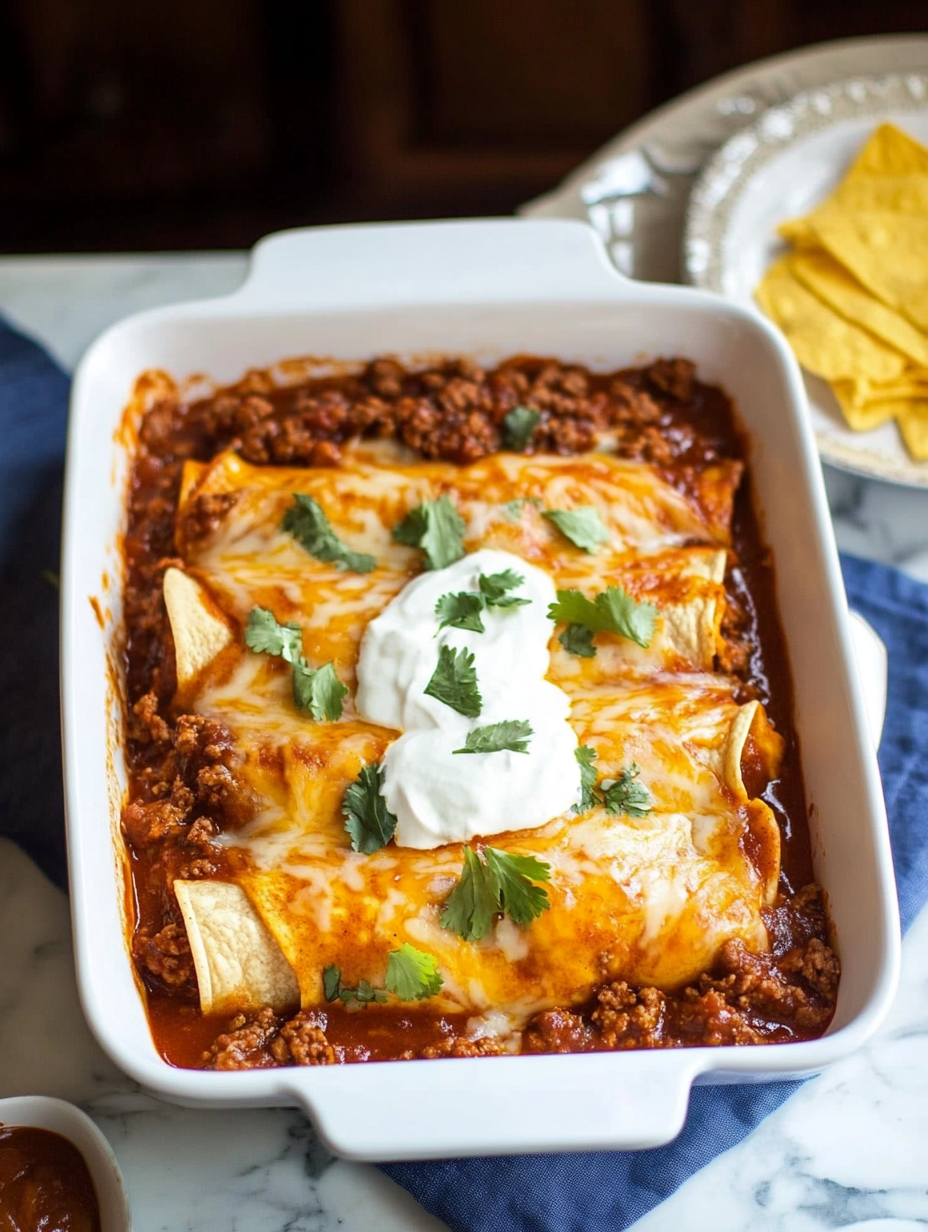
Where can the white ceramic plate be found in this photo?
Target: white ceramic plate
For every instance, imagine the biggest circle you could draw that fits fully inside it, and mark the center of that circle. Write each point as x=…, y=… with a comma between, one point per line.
x=777, y=168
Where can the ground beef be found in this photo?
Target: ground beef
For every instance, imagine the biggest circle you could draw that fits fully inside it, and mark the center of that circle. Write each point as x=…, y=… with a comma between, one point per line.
x=558, y=1030
x=166, y=957
x=302, y=1041
x=246, y=1044
x=204, y=515
x=459, y=1046
x=788, y=993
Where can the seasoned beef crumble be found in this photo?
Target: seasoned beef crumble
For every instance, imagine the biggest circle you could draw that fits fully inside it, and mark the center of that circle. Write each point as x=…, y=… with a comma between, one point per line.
x=184, y=789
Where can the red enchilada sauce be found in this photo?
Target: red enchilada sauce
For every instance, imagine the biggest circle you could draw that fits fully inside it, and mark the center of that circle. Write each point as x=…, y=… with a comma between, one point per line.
x=45, y=1185
x=452, y=411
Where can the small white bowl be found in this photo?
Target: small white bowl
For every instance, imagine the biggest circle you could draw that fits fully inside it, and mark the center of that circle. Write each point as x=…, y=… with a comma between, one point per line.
x=60, y=1117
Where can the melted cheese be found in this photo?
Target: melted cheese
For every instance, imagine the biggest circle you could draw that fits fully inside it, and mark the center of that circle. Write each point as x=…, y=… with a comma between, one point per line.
x=649, y=900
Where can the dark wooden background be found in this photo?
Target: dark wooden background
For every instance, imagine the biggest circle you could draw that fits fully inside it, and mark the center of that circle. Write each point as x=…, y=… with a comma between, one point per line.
x=206, y=123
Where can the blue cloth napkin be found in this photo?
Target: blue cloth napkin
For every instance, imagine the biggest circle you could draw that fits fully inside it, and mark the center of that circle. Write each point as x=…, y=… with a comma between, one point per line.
x=591, y=1192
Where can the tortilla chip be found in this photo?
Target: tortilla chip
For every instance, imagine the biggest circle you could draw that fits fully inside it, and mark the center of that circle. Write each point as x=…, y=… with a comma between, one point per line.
x=824, y=342
x=198, y=628
x=800, y=233
x=824, y=277
x=890, y=151
x=862, y=415
x=238, y=963
x=913, y=424
x=887, y=252
x=889, y=173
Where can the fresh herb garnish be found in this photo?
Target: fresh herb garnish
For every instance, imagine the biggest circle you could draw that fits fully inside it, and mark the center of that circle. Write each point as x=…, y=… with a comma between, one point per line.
x=625, y=795
x=361, y=996
x=307, y=523
x=454, y=682
x=585, y=757
x=511, y=734
x=500, y=882
x=264, y=635
x=462, y=610
x=320, y=691
x=513, y=508
x=495, y=587
x=612, y=611
x=518, y=426
x=436, y=528
x=578, y=640
x=412, y=975
x=317, y=690
x=367, y=819
x=583, y=527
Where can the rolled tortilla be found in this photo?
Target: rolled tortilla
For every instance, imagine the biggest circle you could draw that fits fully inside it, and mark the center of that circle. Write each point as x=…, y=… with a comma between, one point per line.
x=750, y=720
x=691, y=629
x=238, y=963
x=199, y=631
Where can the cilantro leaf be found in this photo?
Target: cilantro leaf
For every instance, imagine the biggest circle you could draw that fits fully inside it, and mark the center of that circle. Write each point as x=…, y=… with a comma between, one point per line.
x=494, y=588
x=513, y=508
x=471, y=905
x=331, y=982
x=613, y=611
x=412, y=975
x=264, y=635
x=361, y=996
x=320, y=691
x=436, y=528
x=518, y=426
x=578, y=640
x=514, y=875
x=627, y=796
x=627, y=617
x=307, y=523
x=454, y=682
x=461, y=611
x=585, y=757
x=317, y=690
x=368, y=821
x=511, y=734
x=502, y=883
x=583, y=527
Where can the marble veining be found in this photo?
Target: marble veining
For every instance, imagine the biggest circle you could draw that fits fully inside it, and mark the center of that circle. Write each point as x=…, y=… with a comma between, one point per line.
x=849, y=1150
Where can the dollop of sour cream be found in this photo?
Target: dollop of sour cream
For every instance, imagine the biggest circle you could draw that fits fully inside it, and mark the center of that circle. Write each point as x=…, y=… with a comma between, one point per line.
x=437, y=795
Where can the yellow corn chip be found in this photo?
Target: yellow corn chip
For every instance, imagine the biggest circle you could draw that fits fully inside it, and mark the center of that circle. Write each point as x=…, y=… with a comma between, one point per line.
x=912, y=384
x=823, y=341
x=862, y=416
x=887, y=252
x=890, y=151
x=824, y=277
x=913, y=424
x=889, y=173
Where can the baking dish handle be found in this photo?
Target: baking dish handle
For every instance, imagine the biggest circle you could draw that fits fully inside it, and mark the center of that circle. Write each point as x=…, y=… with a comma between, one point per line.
x=337, y=268
x=586, y=1101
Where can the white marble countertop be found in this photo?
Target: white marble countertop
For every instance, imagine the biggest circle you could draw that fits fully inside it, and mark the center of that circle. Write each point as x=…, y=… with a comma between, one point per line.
x=849, y=1150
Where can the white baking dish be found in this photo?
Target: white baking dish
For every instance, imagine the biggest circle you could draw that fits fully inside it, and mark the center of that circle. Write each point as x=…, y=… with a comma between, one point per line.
x=488, y=289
